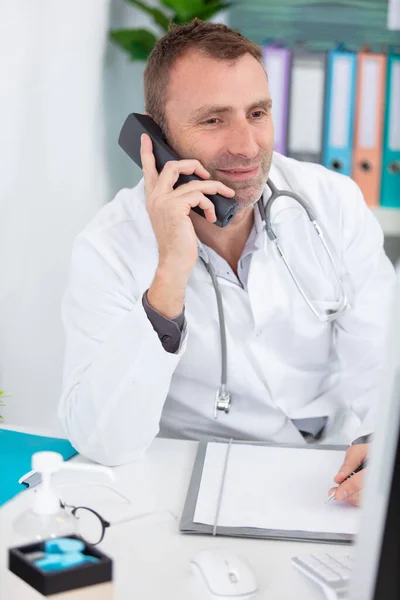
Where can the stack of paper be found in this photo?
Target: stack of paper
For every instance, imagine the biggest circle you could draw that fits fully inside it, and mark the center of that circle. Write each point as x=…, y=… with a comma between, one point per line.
x=273, y=488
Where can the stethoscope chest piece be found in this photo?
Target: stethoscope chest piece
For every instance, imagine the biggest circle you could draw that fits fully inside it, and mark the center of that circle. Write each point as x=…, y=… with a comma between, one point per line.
x=222, y=401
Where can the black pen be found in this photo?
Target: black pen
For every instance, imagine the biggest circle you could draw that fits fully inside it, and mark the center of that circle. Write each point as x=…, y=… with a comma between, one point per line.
x=360, y=468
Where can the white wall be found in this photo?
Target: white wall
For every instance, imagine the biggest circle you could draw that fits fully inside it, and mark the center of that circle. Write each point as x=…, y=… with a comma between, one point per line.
x=123, y=94
x=53, y=178
x=65, y=91
x=123, y=91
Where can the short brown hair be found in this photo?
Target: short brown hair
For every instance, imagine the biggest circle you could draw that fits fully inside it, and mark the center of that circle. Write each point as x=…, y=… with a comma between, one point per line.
x=213, y=39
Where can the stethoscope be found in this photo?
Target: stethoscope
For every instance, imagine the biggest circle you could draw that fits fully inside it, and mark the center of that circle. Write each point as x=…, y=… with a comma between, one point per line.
x=223, y=397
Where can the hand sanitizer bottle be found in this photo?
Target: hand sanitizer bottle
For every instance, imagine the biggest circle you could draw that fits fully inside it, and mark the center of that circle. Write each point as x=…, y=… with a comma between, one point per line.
x=46, y=519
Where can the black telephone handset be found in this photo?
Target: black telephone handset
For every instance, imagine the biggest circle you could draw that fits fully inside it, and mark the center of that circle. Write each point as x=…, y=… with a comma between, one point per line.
x=129, y=140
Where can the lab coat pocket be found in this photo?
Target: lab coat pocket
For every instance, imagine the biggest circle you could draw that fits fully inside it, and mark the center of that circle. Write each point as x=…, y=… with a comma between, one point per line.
x=326, y=309
x=342, y=427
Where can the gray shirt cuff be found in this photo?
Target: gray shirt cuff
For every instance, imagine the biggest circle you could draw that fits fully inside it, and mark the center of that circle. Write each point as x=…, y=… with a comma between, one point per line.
x=363, y=439
x=169, y=331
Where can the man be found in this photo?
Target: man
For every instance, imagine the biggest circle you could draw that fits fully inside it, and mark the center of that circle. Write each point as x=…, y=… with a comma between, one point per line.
x=143, y=350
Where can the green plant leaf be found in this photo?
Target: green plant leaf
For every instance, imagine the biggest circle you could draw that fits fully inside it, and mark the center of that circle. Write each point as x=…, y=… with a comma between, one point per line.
x=213, y=8
x=185, y=10
x=159, y=17
x=138, y=43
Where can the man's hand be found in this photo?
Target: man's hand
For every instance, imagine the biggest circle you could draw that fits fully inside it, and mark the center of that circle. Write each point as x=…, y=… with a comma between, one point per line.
x=169, y=212
x=350, y=490
x=169, y=208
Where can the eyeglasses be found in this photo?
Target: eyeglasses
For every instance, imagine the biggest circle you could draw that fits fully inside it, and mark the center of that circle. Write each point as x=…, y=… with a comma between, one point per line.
x=92, y=526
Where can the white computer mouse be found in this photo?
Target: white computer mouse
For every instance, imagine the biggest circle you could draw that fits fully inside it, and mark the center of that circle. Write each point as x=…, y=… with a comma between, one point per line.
x=219, y=573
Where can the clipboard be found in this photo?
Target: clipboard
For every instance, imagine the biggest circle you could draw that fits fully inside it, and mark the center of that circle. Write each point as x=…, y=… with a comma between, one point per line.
x=189, y=526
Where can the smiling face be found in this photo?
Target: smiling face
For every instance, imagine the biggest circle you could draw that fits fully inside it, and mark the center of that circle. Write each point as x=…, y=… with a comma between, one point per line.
x=219, y=112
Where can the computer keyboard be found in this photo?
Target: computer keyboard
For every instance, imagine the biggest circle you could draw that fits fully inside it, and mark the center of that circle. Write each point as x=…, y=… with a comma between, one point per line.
x=332, y=573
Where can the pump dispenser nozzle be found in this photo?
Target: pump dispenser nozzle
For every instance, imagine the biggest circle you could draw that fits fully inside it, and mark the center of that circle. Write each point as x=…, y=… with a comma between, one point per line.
x=46, y=518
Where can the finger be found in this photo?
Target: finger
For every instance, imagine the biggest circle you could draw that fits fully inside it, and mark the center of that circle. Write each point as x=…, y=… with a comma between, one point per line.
x=354, y=499
x=206, y=205
x=149, y=169
x=198, y=199
x=206, y=187
x=343, y=474
x=350, y=487
x=171, y=171
x=354, y=457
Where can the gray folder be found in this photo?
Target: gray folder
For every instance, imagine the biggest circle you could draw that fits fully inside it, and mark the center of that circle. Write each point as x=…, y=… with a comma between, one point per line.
x=187, y=524
x=303, y=115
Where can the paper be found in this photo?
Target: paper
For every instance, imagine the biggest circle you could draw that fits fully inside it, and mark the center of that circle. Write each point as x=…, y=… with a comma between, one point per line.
x=393, y=21
x=274, y=488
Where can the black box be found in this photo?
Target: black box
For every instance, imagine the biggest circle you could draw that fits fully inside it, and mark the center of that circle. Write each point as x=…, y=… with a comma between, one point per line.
x=55, y=582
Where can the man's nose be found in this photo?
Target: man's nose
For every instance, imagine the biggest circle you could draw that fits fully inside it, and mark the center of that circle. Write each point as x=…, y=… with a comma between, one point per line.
x=242, y=142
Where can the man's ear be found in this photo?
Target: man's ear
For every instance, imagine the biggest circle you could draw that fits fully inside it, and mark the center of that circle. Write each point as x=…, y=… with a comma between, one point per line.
x=151, y=116
x=162, y=129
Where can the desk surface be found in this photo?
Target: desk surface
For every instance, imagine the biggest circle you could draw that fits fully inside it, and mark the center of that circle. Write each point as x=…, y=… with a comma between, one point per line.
x=151, y=557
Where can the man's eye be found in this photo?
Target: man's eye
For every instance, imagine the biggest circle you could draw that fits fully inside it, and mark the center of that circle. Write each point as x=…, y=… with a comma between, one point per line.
x=258, y=114
x=212, y=121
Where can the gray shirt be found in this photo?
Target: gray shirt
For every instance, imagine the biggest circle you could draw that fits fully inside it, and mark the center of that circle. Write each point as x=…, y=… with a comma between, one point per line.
x=169, y=330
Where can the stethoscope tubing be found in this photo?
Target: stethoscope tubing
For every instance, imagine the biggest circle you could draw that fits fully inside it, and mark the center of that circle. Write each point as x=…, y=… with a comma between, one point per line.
x=223, y=397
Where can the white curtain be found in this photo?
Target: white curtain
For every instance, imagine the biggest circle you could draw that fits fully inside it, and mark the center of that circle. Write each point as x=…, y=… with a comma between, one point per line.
x=53, y=179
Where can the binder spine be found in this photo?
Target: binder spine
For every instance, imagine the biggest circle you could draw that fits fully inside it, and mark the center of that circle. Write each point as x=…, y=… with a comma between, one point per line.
x=307, y=101
x=339, y=111
x=277, y=62
x=390, y=190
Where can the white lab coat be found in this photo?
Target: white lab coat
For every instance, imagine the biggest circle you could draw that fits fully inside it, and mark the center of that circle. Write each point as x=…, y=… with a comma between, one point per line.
x=121, y=388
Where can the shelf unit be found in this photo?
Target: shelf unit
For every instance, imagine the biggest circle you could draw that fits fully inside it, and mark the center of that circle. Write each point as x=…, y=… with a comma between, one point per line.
x=389, y=219
x=322, y=24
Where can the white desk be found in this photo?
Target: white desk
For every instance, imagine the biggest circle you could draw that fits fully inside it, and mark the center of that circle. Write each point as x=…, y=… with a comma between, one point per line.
x=151, y=557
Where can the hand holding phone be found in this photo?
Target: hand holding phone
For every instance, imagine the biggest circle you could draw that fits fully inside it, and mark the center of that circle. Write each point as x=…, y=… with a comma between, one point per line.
x=169, y=208
x=129, y=139
x=169, y=211
x=173, y=188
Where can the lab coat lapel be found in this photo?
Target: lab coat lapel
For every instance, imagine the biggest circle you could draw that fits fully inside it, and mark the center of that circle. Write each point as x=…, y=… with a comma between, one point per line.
x=267, y=292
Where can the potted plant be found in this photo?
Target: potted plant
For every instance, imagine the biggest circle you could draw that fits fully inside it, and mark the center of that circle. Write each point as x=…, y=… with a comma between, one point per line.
x=2, y=403
x=139, y=42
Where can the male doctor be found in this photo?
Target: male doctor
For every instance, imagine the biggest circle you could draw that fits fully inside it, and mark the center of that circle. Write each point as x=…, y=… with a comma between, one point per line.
x=143, y=354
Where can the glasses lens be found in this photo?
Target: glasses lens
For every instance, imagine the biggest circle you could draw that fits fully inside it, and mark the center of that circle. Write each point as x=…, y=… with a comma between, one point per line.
x=89, y=525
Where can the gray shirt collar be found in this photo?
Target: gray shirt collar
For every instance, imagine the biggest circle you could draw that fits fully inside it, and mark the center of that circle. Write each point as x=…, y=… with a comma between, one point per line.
x=254, y=241
x=220, y=265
